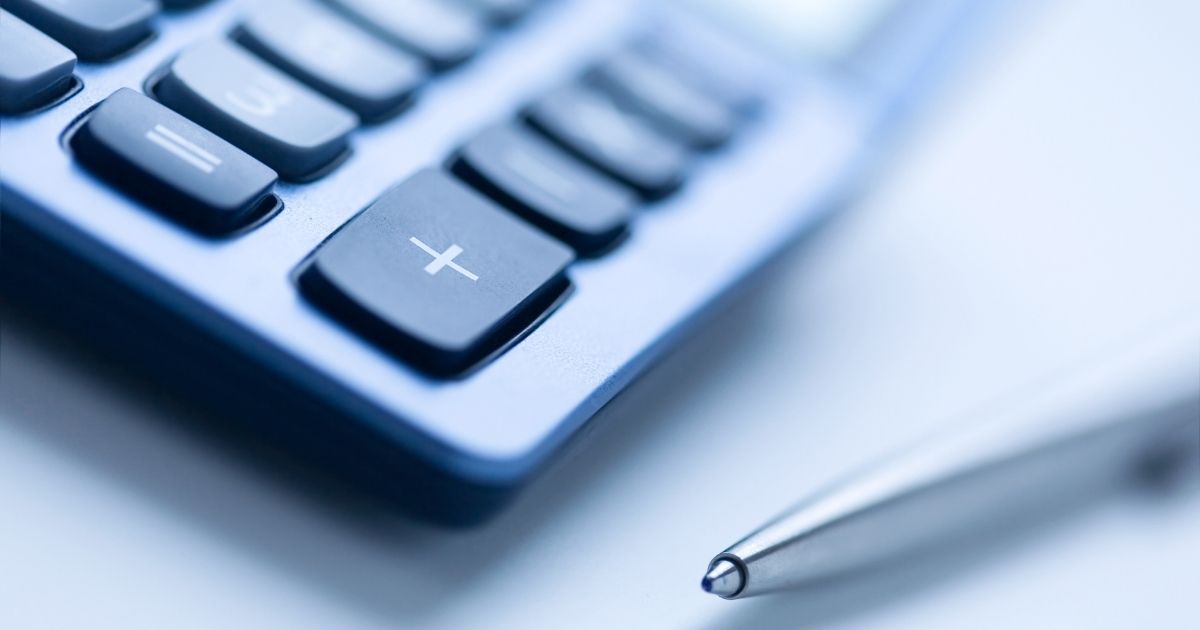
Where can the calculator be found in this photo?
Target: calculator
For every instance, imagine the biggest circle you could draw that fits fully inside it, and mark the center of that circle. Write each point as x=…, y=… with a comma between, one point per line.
x=418, y=244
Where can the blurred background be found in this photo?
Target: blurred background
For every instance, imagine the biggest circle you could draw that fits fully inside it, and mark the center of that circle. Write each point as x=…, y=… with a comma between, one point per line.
x=1043, y=206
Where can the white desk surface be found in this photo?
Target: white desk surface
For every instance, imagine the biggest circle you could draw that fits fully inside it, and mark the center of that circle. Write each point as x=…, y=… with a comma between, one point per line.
x=1050, y=205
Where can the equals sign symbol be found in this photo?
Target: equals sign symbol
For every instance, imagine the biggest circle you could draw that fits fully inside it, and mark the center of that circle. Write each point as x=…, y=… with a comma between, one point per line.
x=183, y=149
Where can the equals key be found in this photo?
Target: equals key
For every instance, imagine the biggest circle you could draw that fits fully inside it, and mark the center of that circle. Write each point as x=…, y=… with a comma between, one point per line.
x=173, y=165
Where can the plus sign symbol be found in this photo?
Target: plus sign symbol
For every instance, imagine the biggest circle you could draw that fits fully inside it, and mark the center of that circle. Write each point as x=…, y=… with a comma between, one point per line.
x=441, y=260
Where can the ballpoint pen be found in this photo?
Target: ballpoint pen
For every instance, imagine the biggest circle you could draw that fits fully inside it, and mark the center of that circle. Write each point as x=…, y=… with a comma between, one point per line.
x=1081, y=434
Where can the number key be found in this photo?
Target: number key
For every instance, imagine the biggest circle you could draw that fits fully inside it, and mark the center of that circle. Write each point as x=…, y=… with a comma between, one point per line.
x=269, y=115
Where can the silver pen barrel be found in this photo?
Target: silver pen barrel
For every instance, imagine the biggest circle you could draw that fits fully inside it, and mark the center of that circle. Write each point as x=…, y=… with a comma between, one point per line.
x=1077, y=437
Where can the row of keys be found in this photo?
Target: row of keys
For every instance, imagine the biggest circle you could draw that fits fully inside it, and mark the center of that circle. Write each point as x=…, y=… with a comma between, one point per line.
x=281, y=102
x=298, y=76
x=636, y=125
x=367, y=55
x=445, y=32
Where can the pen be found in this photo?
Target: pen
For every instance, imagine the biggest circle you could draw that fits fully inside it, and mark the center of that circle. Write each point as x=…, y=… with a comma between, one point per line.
x=1082, y=434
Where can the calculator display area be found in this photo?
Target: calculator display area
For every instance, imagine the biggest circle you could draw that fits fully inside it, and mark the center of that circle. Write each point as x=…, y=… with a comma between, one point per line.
x=825, y=28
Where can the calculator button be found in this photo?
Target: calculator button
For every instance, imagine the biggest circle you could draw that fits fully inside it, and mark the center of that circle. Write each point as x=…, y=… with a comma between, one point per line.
x=437, y=274
x=94, y=29
x=502, y=11
x=173, y=164
x=667, y=101
x=34, y=69
x=681, y=58
x=315, y=45
x=594, y=128
x=444, y=33
x=269, y=115
x=546, y=187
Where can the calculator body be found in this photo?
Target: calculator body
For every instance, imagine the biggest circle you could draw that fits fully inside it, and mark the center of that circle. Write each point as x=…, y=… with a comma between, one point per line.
x=221, y=319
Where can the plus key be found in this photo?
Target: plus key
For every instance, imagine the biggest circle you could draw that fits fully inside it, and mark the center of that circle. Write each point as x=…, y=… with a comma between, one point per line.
x=437, y=274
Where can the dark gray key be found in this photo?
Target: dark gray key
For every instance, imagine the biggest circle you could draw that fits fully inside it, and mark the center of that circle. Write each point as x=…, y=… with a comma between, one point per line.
x=174, y=165
x=667, y=101
x=546, y=187
x=443, y=33
x=94, y=29
x=317, y=46
x=437, y=274
x=590, y=125
x=501, y=11
x=34, y=69
x=258, y=108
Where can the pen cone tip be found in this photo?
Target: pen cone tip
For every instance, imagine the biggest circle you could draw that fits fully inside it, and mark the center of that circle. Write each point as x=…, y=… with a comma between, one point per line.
x=723, y=579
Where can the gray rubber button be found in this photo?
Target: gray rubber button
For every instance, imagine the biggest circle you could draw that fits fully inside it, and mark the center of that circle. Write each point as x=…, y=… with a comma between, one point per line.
x=255, y=106
x=437, y=274
x=94, y=29
x=317, y=46
x=594, y=128
x=175, y=166
x=34, y=69
x=671, y=104
x=547, y=187
x=444, y=33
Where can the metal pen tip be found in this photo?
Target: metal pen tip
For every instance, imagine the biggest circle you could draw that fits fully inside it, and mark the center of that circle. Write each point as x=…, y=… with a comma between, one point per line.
x=723, y=579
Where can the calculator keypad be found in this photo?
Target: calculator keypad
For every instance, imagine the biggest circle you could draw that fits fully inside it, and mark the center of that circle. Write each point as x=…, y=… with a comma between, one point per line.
x=455, y=263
